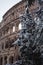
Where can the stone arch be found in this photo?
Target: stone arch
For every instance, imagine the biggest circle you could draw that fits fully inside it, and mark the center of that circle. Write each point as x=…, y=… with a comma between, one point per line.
x=1, y=61
x=11, y=60
x=5, y=60
x=6, y=45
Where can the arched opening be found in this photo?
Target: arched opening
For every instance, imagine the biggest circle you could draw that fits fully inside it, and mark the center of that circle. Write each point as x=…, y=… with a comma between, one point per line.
x=11, y=59
x=20, y=26
x=1, y=61
x=11, y=43
x=5, y=60
x=6, y=45
x=13, y=28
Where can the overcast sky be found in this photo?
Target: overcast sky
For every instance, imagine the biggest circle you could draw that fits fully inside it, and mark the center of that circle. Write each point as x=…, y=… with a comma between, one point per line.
x=6, y=5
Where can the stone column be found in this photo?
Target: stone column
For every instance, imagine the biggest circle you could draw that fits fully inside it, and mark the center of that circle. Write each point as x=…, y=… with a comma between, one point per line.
x=10, y=28
x=16, y=27
x=8, y=59
x=4, y=45
x=14, y=58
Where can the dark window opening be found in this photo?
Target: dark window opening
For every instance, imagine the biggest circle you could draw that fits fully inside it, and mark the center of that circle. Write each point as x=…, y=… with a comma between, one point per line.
x=15, y=47
x=11, y=59
x=13, y=13
x=5, y=60
x=1, y=61
x=6, y=46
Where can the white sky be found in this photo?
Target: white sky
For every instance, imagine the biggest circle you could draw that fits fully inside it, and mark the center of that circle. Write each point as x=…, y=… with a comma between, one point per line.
x=6, y=5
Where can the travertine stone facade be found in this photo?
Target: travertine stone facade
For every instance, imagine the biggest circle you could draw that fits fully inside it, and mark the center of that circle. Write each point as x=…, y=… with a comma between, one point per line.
x=9, y=29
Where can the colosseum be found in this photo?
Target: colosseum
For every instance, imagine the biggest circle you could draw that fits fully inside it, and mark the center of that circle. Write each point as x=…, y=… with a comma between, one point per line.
x=9, y=29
